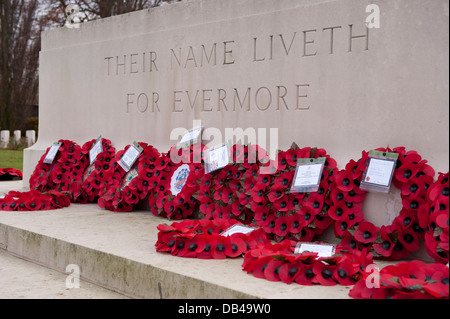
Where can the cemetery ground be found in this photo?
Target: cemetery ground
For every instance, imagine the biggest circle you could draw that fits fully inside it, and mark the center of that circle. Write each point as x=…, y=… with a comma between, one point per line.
x=11, y=159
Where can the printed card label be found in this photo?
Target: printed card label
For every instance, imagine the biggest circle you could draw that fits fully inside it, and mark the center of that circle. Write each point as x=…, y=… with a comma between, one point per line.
x=130, y=156
x=238, y=229
x=308, y=175
x=95, y=150
x=323, y=250
x=379, y=172
x=190, y=136
x=52, y=153
x=218, y=158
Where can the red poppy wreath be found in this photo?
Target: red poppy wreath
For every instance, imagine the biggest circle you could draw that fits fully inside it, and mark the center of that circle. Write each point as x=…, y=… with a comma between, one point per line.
x=174, y=196
x=7, y=174
x=412, y=176
x=204, y=239
x=277, y=262
x=405, y=280
x=34, y=200
x=67, y=167
x=225, y=193
x=121, y=191
x=87, y=188
x=435, y=220
x=288, y=215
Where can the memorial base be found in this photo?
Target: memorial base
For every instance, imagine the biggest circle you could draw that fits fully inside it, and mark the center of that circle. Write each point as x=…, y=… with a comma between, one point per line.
x=116, y=251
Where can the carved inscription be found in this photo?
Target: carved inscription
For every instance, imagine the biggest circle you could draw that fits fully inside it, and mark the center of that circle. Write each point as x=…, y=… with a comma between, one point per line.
x=230, y=53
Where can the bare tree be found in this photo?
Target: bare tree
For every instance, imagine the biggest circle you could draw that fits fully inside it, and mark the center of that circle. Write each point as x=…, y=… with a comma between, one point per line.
x=20, y=29
x=97, y=9
x=21, y=24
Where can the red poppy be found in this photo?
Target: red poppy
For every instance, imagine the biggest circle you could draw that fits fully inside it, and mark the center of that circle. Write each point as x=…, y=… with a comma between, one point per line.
x=276, y=193
x=344, y=182
x=437, y=285
x=344, y=271
x=306, y=276
x=271, y=272
x=282, y=162
x=237, y=246
x=409, y=239
x=386, y=245
x=339, y=211
x=258, y=193
x=366, y=233
x=219, y=245
x=269, y=224
x=289, y=271
x=292, y=157
x=324, y=273
x=281, y=226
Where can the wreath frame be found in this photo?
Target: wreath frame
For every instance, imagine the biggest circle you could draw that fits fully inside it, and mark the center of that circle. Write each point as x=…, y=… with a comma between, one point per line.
x=202, y=239
x=121, y=191
x=162, y=201
x=412, y=175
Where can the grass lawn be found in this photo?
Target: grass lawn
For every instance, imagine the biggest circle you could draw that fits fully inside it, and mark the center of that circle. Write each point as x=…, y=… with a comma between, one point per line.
x=11, y=159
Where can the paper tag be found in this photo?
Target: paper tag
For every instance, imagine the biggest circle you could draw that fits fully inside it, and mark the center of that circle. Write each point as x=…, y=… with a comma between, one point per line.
x=130, y=156
x=323, y=250
x=218, y=158
x=52, y=153
x=379, y=171
x=237, y=229
x=308, y=175
x=95, y=150
x=190, y=137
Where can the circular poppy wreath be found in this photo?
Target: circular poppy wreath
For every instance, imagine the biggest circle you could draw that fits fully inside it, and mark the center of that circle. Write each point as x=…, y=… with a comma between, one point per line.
x=225, y=193
x=67, y=168
x=202, y=239
x=34, y=200
x=277, y=262
x=412, y=176
x=174, y=196
x=121, y=191
x=286, y=215
x=435, y=220
x=8, y=174
x=86, y=189
x=405, y=280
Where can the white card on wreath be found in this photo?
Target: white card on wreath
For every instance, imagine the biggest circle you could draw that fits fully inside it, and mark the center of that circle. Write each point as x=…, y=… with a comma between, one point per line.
x=218, y=158
x=130, y=156
x=95, y=150
x=322, y=250
x=379, y=172
x=52, y=153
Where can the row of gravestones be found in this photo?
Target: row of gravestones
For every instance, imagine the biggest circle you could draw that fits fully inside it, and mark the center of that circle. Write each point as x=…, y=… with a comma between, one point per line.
x=30, y=137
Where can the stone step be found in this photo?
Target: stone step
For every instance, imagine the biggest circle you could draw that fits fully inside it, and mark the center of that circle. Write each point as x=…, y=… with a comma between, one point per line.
x=21, y=279
x=116, y=251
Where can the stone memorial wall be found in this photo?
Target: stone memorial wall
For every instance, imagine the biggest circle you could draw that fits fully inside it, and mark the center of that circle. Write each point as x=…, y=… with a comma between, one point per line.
x=344, y=75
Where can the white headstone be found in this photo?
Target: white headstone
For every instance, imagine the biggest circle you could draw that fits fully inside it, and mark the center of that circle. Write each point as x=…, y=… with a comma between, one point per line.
x=31, y=137
x=17, y=135
x=4, y=139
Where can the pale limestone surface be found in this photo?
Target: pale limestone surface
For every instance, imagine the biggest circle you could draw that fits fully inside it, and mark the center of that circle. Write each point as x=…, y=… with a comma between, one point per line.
x=21, y=279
